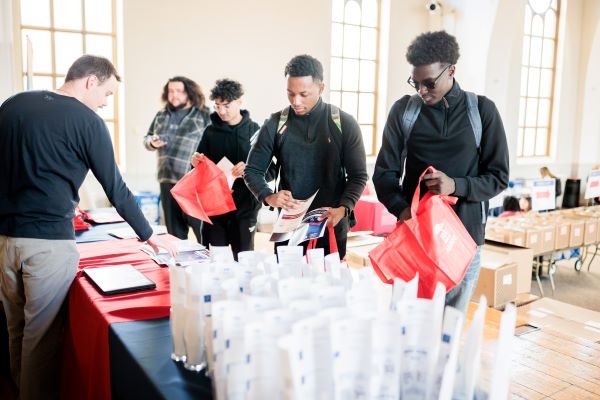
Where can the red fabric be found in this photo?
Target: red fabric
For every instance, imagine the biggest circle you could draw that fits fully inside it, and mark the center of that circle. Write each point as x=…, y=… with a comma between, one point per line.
x=86, y=369
x=371, y=215
x=433, y=243
x=204, y=192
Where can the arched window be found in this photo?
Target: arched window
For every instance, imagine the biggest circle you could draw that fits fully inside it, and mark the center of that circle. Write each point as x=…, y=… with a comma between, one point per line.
x=54, y=33
x=354, y=63
x=537, y=77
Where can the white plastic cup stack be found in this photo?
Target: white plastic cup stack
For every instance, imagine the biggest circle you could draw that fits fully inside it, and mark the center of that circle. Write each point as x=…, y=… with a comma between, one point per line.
x=177, y=292
x=195, y=345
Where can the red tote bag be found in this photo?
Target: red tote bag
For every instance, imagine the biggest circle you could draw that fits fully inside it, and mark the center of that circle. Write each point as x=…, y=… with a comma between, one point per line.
x=204, y=192
x=433, y=243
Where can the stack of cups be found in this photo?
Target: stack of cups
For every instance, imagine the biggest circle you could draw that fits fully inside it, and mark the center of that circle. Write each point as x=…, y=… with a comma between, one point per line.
x=177, y=278
x=194, y=319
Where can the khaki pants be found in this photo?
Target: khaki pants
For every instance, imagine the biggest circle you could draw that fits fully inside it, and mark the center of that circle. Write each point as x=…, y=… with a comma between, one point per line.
x=35, y=277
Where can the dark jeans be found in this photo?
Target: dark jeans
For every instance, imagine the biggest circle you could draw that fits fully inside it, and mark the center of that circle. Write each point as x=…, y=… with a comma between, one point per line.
x=177, y=222
x=341, y=236
x=228, y=230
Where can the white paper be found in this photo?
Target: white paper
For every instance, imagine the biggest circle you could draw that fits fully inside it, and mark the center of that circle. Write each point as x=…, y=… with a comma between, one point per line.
x=442, y=380
x=499, y=388
x=290, y=254
x=417, y=341
x=288, y=221
x=385, y=356
x=351, y=350
x=467, y=370
x=543, y=194
x=226, y=166
x=592, y=186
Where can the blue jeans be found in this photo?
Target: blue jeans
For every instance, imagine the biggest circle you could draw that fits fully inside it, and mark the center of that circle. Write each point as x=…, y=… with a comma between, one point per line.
x=460, y=295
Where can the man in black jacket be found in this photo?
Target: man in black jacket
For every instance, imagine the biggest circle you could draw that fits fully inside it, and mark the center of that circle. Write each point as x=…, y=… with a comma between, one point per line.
x=312, y=153
x=443, y=136
x=229, y=136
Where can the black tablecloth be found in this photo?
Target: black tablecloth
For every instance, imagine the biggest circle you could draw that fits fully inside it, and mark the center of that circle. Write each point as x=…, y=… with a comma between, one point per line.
x=141, y=367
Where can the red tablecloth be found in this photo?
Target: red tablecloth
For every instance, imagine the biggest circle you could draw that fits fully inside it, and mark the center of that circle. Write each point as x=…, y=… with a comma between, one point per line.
x=86, y=372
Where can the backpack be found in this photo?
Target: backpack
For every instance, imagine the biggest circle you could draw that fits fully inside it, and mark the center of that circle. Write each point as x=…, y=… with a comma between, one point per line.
x=274, y=168
x=411, y=113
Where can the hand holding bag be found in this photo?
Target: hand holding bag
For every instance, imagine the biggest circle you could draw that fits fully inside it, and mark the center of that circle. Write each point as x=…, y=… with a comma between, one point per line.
x=204, y=192
x=433, y=243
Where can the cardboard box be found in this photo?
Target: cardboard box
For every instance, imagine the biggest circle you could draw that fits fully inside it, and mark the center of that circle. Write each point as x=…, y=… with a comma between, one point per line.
x=359, y=256
x=562, y=317
x=522, y=257
x=562, y=235
x=497, y=279
x=548, y=237
x=576, y=234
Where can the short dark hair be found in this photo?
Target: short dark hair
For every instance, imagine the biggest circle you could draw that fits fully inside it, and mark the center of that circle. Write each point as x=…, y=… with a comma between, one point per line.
x=192, y=89
x=304, y=65
x=226, y=90
x=87, y=65
x=511, y=203
x=431, y=47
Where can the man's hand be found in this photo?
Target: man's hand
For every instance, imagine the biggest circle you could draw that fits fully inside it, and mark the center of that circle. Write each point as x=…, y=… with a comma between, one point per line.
x=238, y=170
x=439, y=183
x=197, y=158
x=169, y=246
x=334, y=215
x=156, y=142
x=283, y=199
x=404, y=215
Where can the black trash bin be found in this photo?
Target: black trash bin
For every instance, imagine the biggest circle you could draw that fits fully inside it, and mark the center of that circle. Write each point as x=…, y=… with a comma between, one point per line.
x=571, y=193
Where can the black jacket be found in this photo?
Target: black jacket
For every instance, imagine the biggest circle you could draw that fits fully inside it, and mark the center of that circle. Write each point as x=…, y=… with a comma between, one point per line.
x=313, y=155
x=442, y=137
x=222, y=140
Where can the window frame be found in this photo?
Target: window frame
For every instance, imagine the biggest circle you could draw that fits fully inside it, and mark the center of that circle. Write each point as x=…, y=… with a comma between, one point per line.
x=18, y=34
x=522, y=116
x=374, y=122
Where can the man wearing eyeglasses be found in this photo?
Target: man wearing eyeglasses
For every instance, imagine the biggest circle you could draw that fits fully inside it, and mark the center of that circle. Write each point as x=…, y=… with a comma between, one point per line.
x=229, y=135
x=471, y=160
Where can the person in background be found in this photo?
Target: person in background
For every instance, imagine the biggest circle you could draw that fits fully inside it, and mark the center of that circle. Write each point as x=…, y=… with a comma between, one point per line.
x=545, y=173
x=175, y=133
x=525, y=203
x=510, y=207
x=229, y=136
x=443, y=136
x=48, y=143
x=312, y=151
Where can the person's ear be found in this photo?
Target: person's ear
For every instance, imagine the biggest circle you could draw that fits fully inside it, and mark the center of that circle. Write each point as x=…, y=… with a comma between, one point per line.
x=321, y=88
x=91, y=81
x=451, y=71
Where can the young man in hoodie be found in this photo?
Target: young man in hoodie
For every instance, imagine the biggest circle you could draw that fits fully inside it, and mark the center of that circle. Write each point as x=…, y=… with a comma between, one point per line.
x=229, y=136
x=472, y=164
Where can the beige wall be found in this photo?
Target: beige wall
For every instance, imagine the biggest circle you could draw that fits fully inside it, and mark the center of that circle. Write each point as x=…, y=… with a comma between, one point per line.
x=252, y=40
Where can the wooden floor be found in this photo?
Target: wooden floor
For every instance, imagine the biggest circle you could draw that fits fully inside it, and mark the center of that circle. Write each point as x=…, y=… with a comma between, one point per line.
x=547, y=364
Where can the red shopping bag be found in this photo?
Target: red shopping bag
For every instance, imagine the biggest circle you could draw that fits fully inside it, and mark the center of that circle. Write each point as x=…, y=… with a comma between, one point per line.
x=204, y=192
x=433, y=243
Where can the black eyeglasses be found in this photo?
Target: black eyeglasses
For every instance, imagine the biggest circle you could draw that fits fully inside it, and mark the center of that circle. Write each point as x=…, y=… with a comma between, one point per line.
x=428, y=83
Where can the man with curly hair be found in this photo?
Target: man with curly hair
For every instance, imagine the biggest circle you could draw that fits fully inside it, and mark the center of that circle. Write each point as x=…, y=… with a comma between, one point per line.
x=313, y=152
x=229, y=135
x=175, y=133
x=460, y=134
